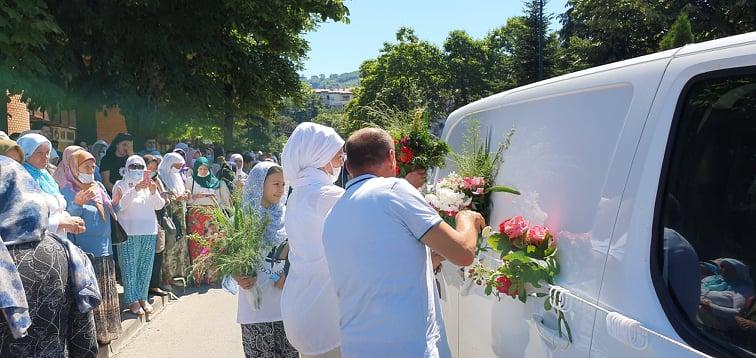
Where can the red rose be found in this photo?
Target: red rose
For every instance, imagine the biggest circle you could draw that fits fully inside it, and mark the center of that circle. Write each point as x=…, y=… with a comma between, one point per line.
x=406, y=155
x=514, y=227
x=537, y=234
x=503, y=283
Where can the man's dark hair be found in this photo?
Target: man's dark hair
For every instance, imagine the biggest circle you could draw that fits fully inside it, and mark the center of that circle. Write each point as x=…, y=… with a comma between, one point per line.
x=367, y=147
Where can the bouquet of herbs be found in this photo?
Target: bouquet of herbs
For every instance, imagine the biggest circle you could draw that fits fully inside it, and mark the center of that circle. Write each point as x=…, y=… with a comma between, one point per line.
x=239, y=247
x=415, y=146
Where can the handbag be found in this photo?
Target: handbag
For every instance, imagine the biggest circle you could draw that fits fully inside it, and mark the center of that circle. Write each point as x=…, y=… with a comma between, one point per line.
x=169, y=228
x=117, y=233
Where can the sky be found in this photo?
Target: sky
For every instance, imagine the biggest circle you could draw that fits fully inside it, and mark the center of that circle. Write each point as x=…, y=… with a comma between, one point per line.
x=340, y=48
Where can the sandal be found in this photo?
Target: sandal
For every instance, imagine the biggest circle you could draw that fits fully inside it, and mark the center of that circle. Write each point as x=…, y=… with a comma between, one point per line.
x=138, y=311
x=146, y=306
x=159, y=291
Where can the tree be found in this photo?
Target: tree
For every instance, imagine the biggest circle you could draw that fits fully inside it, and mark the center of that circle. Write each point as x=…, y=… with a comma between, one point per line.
x=465, y=60
x=167, y=61
x=679, y=35
x=407, y=74
x=612, y=30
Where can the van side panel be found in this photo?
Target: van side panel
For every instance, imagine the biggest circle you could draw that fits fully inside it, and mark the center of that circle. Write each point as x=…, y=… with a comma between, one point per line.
x=570, y=157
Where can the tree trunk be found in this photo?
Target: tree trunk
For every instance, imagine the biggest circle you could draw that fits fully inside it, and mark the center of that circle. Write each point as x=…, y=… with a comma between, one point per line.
x=4, y=114
x=228, y=130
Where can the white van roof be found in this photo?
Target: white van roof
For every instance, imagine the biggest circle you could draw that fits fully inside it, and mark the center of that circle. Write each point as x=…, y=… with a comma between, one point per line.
x=737, y=40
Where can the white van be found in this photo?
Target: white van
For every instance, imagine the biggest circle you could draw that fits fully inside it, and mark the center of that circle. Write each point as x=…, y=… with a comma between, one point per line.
x=646, y=170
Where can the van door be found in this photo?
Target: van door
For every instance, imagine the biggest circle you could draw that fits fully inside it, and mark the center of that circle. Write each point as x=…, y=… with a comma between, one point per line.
x=569, y=157
x=683, y=252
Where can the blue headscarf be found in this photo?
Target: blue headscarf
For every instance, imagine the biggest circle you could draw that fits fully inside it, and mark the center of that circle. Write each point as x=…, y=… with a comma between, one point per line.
x=275, y=233
x=29, y=143
x=23, y=219
x=741, y=282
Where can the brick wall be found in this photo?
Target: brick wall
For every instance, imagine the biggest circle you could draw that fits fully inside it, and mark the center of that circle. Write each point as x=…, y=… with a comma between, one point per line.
x=18, y=116
x=110, y=122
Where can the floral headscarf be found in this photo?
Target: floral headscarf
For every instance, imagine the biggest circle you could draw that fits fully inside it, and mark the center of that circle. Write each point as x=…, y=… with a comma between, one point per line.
x=252, y=195
x=67, y=176
x=23, y=219
x=29, y=143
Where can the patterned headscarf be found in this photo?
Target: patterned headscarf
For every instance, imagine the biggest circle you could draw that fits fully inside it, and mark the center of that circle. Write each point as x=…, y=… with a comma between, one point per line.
x=29, y=143
x=23, y=219
x=67, y=175
x=173, y=181
x=275, y=233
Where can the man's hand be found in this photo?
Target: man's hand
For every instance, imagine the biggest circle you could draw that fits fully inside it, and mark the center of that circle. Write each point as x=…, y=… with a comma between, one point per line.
x=417, y=177
x=83, y=197
x=245, y=282
x=456, y=245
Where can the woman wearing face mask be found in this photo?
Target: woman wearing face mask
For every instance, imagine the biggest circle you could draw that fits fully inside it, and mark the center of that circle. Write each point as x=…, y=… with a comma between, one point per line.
x=115, y=159
x=176, y=256
x=36, y=150
x=206, y=191
x=157, y=285
x=75, y=174
x=312, y=160
x=136, y=198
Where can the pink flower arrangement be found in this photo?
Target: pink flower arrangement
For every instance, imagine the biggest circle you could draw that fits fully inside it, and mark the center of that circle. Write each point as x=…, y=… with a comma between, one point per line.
x=514, y=227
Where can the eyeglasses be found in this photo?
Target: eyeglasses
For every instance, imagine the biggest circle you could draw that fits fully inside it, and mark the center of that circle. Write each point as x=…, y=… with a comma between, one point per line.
x=136, y=166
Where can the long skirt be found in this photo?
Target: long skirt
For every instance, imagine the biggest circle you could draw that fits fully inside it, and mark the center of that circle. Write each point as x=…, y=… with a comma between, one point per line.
x=200, y=223
x=266, y=340
x=107, y=315
x=176, y=254
x=136, y=258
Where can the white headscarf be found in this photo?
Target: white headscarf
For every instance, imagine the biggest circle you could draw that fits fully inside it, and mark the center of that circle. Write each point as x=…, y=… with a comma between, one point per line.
x=30, y=142
x=173, y=181
x=311, y=145
x=134, y=159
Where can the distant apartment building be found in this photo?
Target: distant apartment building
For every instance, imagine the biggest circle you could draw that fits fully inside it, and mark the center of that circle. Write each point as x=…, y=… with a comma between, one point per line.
x=335, y=97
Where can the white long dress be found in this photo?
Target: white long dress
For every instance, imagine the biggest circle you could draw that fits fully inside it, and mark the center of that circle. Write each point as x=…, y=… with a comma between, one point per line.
x=309, y=306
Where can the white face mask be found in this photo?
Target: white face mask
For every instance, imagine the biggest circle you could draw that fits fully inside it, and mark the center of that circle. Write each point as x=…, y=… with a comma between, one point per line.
x=334, y=174
x=86, y=178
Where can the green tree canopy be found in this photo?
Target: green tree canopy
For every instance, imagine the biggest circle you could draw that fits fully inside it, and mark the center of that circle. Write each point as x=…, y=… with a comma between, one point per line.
x=679, y=35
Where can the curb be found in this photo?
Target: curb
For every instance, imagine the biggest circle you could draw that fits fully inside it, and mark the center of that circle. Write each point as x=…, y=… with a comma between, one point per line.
x=131, y=325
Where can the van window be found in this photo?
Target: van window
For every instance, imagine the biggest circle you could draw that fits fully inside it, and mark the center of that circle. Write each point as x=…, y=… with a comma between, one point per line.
x=706, y=225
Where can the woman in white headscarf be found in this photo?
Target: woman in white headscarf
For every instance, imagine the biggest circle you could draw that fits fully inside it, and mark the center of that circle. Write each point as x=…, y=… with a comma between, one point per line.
x=137, y=198
x=311, y=160
x=238, y=161
x=36, y=150
x=176, y=256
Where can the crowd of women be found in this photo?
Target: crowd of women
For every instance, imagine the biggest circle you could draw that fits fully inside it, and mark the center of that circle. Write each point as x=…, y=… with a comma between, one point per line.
x=131, y=215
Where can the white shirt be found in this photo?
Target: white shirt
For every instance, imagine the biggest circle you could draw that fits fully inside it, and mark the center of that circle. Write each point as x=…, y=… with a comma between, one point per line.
x=136, y=209
x=56, y=204
x=270, y=304
x=308, y=306
x=382, y=271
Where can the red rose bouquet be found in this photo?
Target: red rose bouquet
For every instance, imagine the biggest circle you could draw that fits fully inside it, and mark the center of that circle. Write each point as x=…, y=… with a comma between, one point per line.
x=415, y=146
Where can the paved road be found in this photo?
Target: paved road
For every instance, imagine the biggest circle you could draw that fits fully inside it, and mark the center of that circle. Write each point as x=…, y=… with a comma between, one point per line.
x=201, y=325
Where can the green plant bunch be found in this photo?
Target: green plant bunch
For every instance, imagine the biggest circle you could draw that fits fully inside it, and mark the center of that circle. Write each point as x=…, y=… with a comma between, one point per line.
x=238, y=246
x=477, y=160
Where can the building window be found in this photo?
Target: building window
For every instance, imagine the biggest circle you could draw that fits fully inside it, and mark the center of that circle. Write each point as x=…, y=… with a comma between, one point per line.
x=706, y=223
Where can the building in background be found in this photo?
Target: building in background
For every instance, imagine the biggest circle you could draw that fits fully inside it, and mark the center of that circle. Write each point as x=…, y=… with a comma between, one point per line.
x=334, y=97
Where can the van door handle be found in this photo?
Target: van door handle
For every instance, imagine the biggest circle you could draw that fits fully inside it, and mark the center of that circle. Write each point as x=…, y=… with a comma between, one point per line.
x=550, y=335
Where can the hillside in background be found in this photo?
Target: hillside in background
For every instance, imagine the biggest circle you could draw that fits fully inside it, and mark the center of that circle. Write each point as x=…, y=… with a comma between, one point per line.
x=344, y=80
